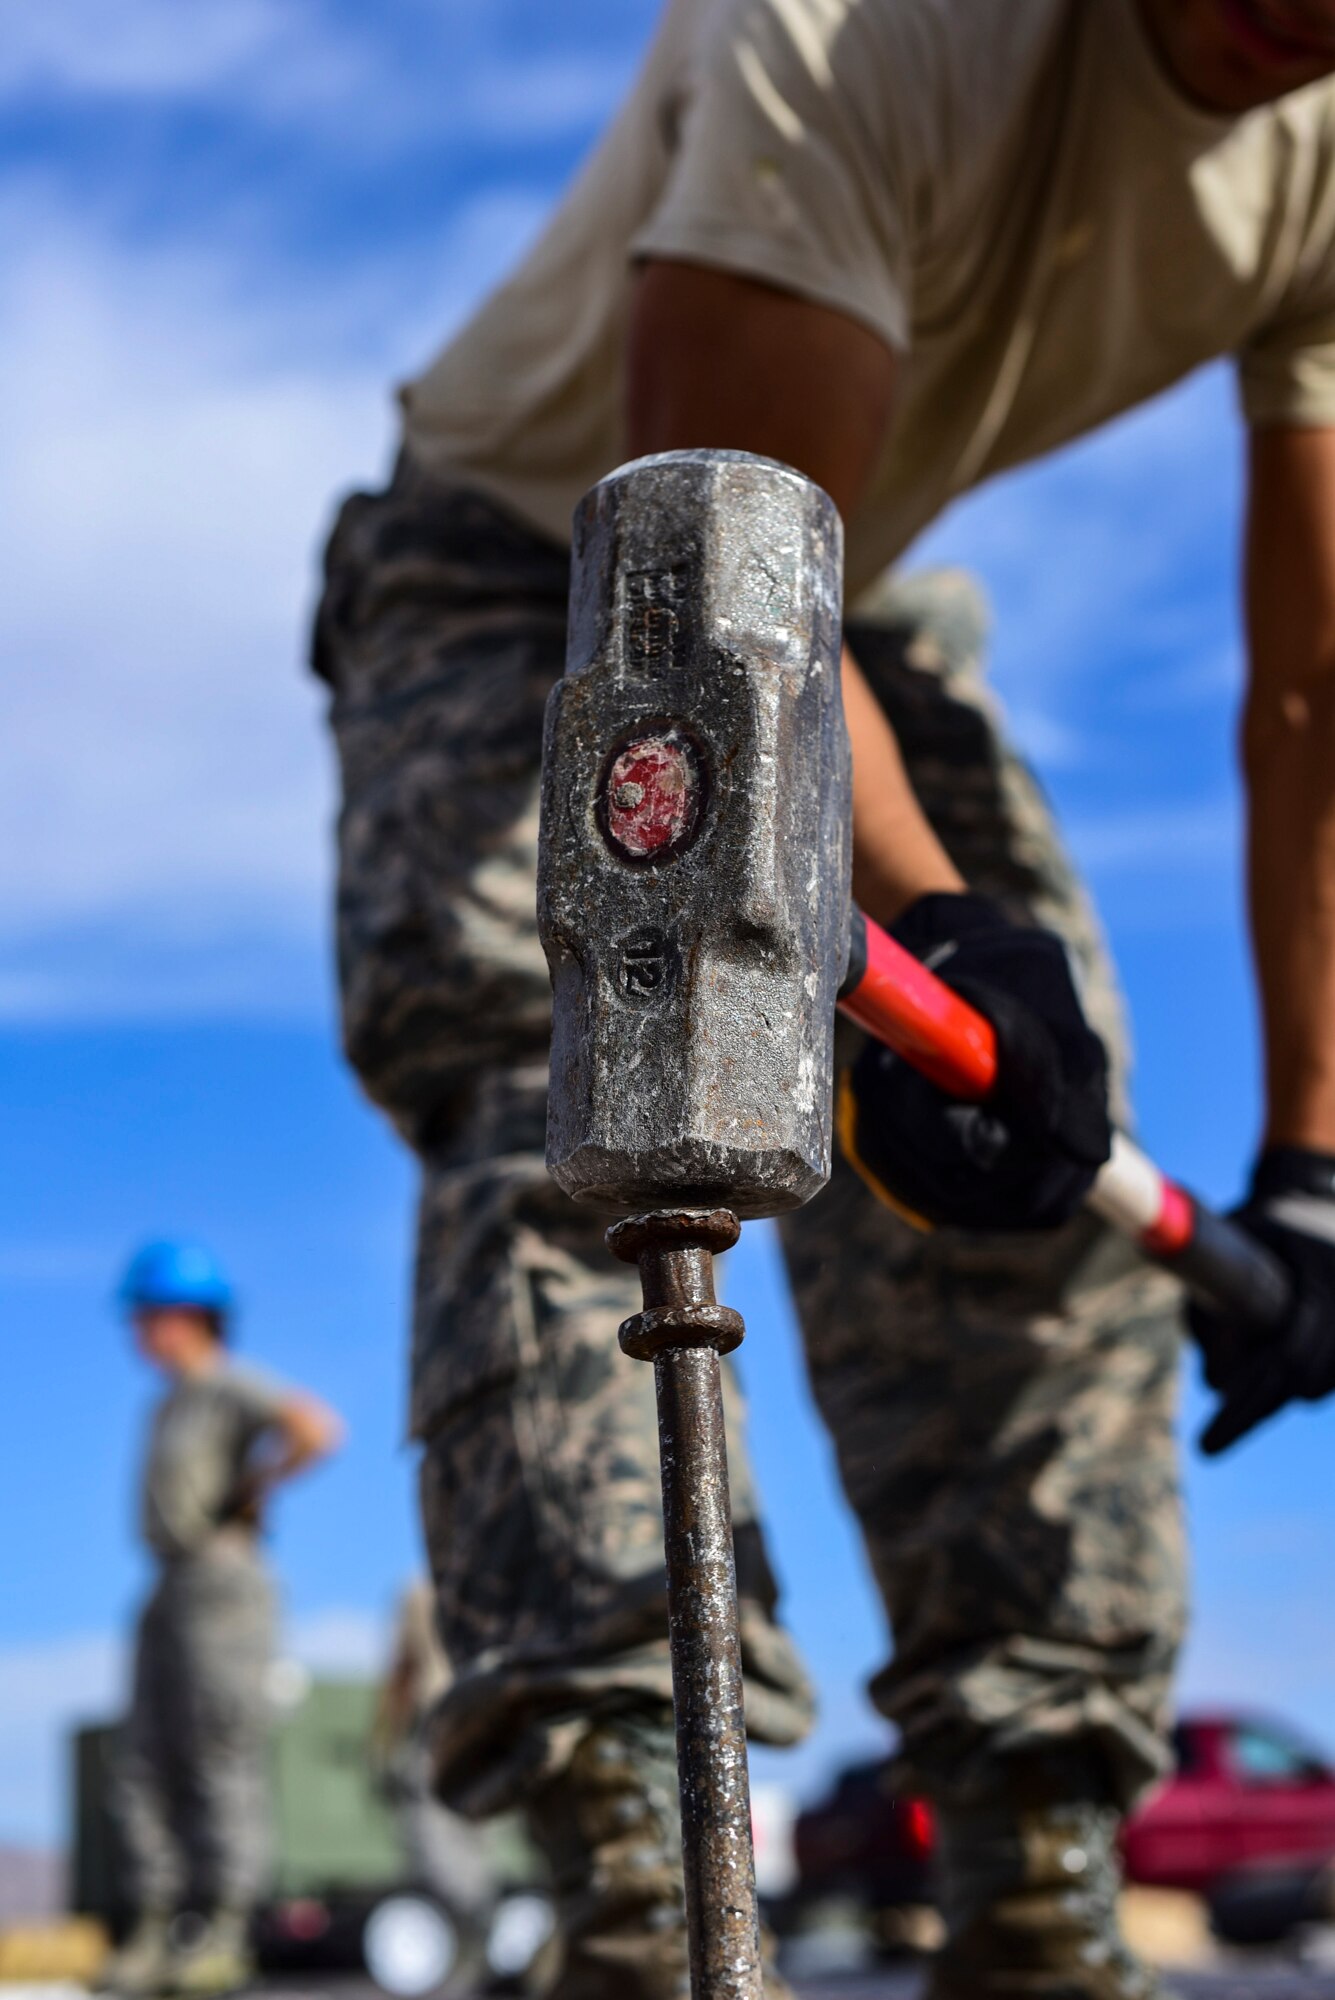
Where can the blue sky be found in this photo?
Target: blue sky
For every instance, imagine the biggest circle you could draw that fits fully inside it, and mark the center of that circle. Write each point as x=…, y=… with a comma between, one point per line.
x=224, y=231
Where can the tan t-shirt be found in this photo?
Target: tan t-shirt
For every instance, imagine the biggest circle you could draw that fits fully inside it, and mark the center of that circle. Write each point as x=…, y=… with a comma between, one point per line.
x=1010, y=192
x=200, y=1443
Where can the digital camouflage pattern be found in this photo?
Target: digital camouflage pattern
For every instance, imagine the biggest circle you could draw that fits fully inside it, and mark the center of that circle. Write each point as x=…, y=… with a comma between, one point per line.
x=1005, y=1435
x=190, y=1787
x=1029, y=1897
x=1001, y=1408
x=441, y=630
x=609, y=1828
x=540, y=1480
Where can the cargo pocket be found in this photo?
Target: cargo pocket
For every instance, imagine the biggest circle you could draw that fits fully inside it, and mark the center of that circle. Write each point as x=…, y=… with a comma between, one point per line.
x=441, y=647
x=540, y=1474
x=922, y=655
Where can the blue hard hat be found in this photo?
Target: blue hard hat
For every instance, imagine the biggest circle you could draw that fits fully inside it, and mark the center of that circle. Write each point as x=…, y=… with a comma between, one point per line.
x=175, y=1273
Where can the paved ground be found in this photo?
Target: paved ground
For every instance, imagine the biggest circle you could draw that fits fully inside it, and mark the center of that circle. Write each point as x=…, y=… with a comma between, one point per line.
x=1255, y=1981
x=1246, y=1985
x=1239, y=1976
x=1244, y=1979
x=1249, y=1982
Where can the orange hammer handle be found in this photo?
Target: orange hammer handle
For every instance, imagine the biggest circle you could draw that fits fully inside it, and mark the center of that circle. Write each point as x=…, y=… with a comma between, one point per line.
x=895, y=998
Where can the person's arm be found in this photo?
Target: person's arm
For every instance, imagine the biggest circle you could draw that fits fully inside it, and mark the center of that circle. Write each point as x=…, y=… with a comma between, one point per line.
x=1289, y=759
x=299, y=1430
x=727, y=363
x=722, y=362
x=1288, y=743
x=305, y=1430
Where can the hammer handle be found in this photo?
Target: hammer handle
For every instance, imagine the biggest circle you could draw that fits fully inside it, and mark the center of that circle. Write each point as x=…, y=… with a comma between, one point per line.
x=895, y=998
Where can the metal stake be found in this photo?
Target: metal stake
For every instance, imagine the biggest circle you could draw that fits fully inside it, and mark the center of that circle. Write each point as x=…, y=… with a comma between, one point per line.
x=683, y=1332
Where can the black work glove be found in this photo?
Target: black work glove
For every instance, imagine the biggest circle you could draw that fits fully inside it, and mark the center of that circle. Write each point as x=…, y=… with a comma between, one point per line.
x=1027, y=1157
x=1290, y=1207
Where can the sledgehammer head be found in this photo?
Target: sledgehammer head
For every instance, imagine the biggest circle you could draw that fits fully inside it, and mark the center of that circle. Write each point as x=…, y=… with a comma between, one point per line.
x=695, y=848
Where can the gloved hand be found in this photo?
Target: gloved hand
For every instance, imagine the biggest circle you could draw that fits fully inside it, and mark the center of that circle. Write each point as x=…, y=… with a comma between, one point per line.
x=1290, y=1207
x=246, y=1503
x=1027, y=1157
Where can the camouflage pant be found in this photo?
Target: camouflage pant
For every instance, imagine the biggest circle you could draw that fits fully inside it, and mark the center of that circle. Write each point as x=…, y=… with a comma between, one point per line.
x=190, y=1792
x=1001, y=1408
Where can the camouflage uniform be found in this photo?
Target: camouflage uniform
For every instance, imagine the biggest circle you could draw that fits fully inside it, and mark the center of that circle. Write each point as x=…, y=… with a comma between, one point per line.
x=442, y=1850
x=1007, y=1442
x=191, y=1781
x=1001, y=1408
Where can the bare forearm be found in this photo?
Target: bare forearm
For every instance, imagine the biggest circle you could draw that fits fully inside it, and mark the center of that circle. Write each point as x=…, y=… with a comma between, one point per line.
x=722, y=362
x=896, y=855
x=1289, y=753
x=307, y=1432
x=287, y=1462
x=1291, y=879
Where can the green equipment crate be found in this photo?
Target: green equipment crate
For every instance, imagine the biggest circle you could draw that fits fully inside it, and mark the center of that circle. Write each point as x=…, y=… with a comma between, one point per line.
x=331, y=1829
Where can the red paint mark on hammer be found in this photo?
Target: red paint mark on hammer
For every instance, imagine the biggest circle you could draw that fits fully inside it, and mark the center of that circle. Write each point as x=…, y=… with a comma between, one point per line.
x=653, y=795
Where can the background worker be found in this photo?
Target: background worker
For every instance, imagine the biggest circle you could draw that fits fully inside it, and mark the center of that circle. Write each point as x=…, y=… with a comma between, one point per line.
x=443, y=1851
x=901, y=245
x=190, y=1787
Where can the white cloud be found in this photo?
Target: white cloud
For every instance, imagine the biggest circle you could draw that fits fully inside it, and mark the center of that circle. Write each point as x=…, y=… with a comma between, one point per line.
x=177, y=427
x=1050, y=741
x=184, y=403
x=340, y=1641
x=50, y=1688
x=34, y=1266
x=1099, y=554
x=135, y=46
x=180, y=414
x=306, y=66
x=139, y=968
x=1204, y=835
x=1193, y=680
x=1277, y=1664
x=175, y=443
x=544, y=98
x=848, y=1730
x=45, y=1691
x=160, y=747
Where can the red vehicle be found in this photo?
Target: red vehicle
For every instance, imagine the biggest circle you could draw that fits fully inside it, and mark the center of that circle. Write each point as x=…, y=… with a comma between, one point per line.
x=866, y=1843
x=1246, y=1792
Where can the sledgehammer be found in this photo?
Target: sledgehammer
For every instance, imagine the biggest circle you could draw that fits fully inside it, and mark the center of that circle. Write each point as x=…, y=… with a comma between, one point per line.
x=894, y=997
x=693, y=896
x=694, y=904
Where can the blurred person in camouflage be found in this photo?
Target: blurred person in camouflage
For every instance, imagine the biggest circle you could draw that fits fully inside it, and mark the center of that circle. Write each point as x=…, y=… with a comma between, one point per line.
x=902, y=245
x=190, y=1784
x=443, y=1852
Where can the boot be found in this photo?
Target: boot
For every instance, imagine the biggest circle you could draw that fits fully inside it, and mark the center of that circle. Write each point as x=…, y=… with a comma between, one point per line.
x=610, y=1829
x=139, y=1963
x=1029, y=1895
x=214, y=1957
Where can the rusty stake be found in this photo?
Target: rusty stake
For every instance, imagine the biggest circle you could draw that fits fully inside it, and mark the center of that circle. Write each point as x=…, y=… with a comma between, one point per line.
x=683, y=1331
